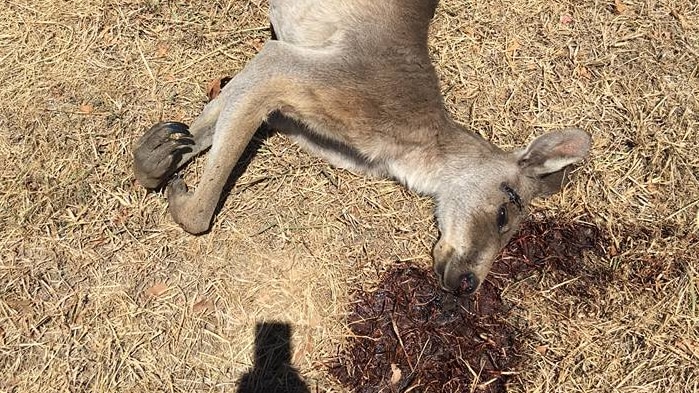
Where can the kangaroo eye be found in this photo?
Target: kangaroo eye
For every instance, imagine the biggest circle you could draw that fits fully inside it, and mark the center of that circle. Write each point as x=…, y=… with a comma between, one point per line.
x=502, y=217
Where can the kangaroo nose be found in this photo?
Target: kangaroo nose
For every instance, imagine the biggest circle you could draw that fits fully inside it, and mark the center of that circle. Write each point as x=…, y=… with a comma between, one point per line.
x=468, y=283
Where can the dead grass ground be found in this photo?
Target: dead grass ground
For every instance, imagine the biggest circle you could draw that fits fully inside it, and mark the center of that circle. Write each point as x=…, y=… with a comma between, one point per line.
x=100, y=291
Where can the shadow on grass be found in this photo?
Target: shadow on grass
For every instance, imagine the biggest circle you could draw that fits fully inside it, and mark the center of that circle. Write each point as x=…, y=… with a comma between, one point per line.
x=272, y=371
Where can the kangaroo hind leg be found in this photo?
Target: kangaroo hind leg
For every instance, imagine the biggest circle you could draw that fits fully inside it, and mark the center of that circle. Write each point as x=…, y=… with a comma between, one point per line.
x=268, y=82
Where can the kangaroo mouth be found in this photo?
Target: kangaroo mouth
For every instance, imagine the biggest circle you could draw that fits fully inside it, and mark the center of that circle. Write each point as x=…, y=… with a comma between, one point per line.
x=465, y=283
x=456, y=274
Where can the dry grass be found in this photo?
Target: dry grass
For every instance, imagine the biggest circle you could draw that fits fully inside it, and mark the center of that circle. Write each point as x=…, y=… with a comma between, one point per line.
x=83, y=247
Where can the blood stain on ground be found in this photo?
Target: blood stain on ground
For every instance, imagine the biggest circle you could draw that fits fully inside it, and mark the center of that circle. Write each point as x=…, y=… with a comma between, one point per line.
x=410, y=335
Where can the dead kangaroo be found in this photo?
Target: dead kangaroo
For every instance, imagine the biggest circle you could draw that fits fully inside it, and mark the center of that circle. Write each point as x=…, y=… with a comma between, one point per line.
x=352, y=81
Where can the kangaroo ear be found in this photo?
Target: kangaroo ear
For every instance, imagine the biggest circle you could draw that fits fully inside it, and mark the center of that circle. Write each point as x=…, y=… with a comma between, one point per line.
x=548, y=157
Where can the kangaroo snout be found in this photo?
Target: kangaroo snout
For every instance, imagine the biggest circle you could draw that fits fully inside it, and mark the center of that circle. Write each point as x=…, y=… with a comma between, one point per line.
x=457, y=273
x=458, y=280
x=468, y=283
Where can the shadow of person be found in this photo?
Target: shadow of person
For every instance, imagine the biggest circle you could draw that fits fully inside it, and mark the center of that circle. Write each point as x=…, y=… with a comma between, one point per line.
x=272, y=371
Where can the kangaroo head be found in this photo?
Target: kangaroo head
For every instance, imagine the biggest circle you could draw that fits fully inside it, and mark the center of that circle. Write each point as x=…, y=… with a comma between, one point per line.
x=479, y=212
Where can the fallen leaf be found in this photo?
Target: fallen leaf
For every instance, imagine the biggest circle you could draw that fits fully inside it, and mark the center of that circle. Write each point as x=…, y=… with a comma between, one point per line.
x=542, y=349
x=86, y=108
x=681, y=18
x=21, y=306
x=203, y=305
x=303, y=349
x=157, y=289
x=10, y=384
x=567, y=19
x=619, y=7
x=584, y=72
x=689, y=346
x=162, y=49
x=396, y=374
x=613, y=251
x=215, y=87
x=514, y=46
x=257, y=43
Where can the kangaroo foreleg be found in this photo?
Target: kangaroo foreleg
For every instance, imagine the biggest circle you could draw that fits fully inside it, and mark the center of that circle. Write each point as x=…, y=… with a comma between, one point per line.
x=167, y=146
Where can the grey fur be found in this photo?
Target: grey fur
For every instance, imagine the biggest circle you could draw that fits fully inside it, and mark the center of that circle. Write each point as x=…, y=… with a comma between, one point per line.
x=352, y=81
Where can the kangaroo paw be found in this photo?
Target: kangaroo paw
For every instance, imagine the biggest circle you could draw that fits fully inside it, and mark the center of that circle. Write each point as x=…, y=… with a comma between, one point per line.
x=159, y=151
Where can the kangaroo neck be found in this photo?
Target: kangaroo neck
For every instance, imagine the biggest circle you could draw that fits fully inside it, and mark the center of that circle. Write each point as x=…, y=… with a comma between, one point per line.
x=454, y=153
